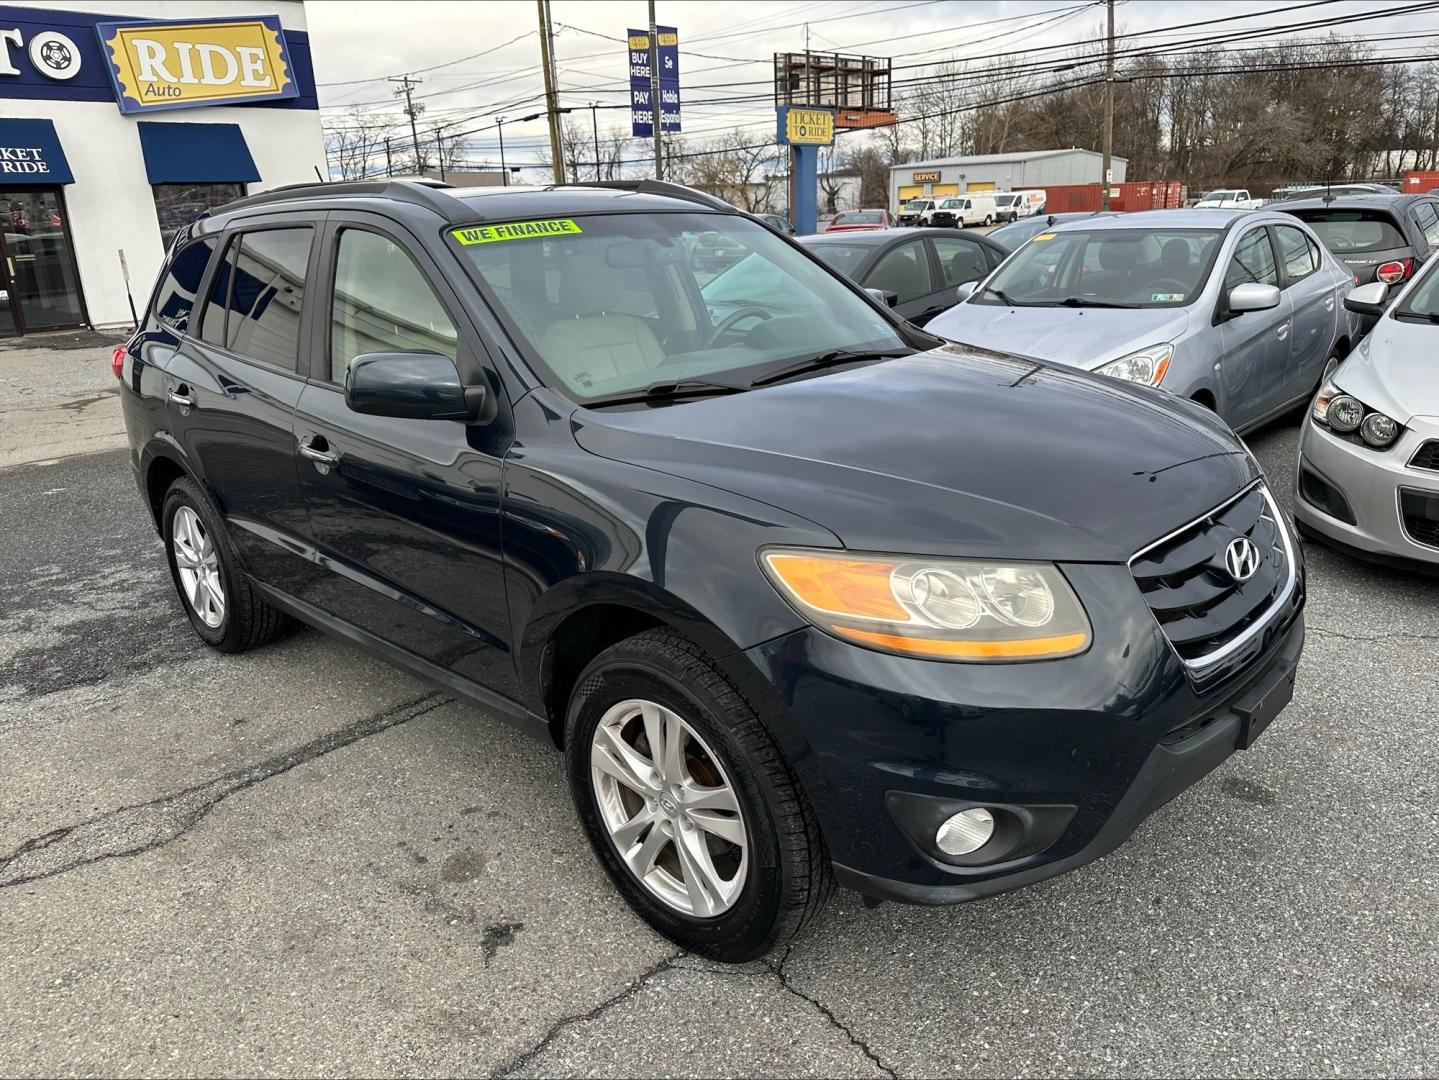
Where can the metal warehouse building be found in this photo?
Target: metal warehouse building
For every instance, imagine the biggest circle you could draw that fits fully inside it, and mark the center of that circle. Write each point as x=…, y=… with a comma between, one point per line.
x=998, y=172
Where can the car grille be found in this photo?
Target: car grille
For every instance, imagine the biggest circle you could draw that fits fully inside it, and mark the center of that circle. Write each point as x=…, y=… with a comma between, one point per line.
x=1426, y=457
x=1420, y=511
x=1207, y=614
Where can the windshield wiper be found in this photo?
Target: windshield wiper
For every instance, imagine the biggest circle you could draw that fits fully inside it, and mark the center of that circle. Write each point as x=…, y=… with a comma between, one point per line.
x=1419, y=316
x=1080, y=301
x=1002, y=295
x=827, y=359
x=669, y=391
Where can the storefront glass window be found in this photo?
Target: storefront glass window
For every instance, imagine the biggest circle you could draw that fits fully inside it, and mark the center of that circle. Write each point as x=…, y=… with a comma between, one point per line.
x=40, y=267
x=177, y=205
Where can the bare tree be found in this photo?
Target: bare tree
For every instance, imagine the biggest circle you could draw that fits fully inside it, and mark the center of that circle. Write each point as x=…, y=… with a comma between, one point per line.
x=351, y=143
x=734, y=169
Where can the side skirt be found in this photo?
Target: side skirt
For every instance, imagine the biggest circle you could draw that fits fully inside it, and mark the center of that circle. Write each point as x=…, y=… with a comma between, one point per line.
x=446, y=680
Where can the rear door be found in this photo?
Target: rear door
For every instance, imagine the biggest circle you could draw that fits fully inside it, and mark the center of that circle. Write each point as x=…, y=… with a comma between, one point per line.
x=1316, y=306
x=957, y=259
x=232, y=385
x=1254, y=354
x=405, y=513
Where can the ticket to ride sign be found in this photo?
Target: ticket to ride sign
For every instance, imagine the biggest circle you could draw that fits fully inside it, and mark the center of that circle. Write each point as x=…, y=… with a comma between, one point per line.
x=181, y=65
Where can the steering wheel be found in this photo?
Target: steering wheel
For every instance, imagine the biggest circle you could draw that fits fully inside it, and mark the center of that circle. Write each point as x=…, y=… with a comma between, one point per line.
x=729, y=322
x=1175, y=286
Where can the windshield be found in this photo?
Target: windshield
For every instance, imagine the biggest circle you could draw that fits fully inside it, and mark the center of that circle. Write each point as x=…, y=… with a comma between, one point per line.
x=1221, y=196
x=1006, y=200
x=859, y=217
x=1347, y=232
x=1424, y=300
x=1106, y=267
x=843, y=257
x=917, y=204
x=610, y=304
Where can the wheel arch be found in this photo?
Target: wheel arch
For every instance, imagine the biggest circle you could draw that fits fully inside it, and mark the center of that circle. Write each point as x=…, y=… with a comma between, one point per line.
x=161, y=464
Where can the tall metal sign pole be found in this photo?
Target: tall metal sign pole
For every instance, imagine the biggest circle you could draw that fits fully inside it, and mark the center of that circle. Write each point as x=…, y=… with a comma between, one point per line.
x=1108, y=114
x=547, y=60
x=657, y=123
x=804, y=131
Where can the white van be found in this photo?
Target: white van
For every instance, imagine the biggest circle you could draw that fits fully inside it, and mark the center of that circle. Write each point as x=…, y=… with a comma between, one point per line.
x=962, y=210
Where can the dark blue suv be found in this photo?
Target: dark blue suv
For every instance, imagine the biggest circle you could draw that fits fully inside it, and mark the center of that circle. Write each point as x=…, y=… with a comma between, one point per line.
x=806, y=595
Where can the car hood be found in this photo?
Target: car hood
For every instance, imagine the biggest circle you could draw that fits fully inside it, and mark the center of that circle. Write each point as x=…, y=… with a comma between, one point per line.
x=1080, y=337
x=1395, y=369
x=949, y=452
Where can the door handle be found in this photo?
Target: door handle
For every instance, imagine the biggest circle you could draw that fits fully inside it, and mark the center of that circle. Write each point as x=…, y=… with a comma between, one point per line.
x=1329, y=303
x=1283, y=331
x=321, y=454
x=180, y=396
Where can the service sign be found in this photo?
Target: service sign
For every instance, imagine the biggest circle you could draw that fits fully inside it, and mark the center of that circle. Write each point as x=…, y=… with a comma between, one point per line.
x=181, y=65
x=929, y=176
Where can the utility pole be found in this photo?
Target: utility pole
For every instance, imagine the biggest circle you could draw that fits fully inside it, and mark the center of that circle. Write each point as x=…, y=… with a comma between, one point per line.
x=440, y=151
x=1108, y=112
x=389, y=164
x=655, y=92
x=547, y=59
x=595, y=120
x=504, y=172
x=407, y=86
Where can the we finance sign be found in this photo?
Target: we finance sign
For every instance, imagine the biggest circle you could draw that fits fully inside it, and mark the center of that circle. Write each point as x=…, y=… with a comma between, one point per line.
x=181, y=65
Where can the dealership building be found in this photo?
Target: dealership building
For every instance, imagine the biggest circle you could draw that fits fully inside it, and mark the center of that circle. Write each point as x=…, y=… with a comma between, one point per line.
x=120, y=123
x=999, y=172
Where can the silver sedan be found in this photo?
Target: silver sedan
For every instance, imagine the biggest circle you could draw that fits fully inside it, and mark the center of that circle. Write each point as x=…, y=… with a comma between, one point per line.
x=1238, y=310
x=1368, y=472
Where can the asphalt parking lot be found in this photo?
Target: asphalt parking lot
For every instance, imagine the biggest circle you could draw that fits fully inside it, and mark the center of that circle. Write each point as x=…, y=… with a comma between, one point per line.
x=300, y=860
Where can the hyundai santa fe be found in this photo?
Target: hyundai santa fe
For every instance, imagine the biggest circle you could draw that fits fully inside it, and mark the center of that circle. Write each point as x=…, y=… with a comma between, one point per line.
x=805, y=595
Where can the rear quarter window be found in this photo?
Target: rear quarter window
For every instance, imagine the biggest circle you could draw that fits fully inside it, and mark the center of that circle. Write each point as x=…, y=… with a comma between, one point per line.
x=1354, y=231
x=176, y=295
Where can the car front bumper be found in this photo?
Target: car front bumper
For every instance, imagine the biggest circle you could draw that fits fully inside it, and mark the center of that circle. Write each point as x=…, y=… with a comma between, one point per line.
x=1373, y=489
x=1077, y=751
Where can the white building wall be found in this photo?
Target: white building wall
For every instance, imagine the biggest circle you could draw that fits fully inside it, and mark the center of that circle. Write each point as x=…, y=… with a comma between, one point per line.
x=110, y=204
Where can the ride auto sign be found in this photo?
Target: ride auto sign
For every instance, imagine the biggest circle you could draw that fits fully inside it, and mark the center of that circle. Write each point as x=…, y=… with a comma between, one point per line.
x=181, y=65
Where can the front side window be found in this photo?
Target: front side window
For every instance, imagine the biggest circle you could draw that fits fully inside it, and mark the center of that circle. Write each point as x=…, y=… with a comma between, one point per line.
x=960, y=259
x=176, y=205
x=1139, y=268
x=1252, y=262
x=383, y=303
x=590, y=337
x=1300, y=256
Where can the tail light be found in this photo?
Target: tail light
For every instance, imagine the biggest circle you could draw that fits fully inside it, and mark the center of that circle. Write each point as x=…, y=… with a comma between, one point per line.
x=1396, y=271
x=117, y=361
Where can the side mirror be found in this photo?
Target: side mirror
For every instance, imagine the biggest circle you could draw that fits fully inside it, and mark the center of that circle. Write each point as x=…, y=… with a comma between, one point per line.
x=884, y=296
x=1252, y=296
x=1369, y=299
x=411, y=386
x=966, y=290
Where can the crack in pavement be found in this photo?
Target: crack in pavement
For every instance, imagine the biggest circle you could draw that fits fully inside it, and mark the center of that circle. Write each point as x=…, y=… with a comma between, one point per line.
x=134, y=830
x=599, y=1010
x=673, y=963
x=825, y=1011
x=1396, y=635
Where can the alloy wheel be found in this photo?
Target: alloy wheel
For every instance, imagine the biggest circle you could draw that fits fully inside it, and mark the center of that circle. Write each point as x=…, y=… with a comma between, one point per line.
x=669, y=808
x=198, y=564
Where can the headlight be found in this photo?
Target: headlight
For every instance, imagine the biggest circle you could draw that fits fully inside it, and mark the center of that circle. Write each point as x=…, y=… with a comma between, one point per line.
x=947, y=609
x=1146, y=366
x=1345, y=414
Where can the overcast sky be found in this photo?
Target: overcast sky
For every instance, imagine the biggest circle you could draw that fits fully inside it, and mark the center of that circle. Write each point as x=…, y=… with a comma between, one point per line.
x=725, y=49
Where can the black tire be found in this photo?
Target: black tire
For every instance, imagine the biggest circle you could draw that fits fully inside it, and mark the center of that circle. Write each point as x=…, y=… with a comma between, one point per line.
x=988, y=221
x=789, y=876
x=248, y=621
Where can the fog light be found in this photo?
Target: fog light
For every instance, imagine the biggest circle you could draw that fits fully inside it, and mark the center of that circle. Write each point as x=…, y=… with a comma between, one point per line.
x=968, y=830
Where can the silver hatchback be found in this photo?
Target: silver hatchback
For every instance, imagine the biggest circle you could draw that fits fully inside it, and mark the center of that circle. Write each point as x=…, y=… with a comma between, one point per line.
x=1239, y=310
x=1368, y=468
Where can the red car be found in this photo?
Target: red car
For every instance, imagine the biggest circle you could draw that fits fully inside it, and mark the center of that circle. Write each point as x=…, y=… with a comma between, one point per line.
x=849, y=220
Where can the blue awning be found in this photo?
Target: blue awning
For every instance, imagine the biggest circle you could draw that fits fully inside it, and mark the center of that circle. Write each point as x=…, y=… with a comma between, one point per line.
x=196, y=154
x=30, y=153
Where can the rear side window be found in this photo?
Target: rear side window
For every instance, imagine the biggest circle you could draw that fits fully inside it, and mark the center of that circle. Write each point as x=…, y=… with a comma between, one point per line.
x=1348, y=232
x=1253, y=261
x=382, y=303
x=176, y=297
x=267, y=295
x=1298, y=254
x=1426, y=216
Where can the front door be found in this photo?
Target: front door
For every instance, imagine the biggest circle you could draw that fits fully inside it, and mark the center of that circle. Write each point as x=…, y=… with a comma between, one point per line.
x=1316, y=300
x=1254, y=358
x=405, y=513
x=40, y=279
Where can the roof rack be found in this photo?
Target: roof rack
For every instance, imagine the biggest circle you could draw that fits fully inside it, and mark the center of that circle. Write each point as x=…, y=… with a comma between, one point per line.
x=659, y=187
x=428, y=194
